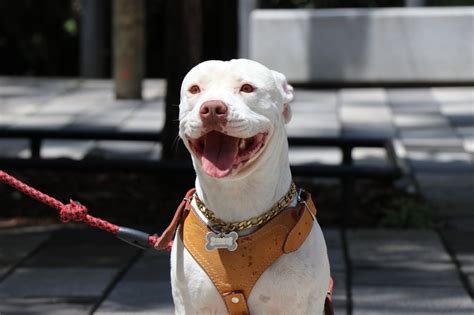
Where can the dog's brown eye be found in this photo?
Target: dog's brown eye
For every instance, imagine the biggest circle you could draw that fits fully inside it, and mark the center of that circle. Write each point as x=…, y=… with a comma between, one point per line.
x=247, y=88
x=194, y=89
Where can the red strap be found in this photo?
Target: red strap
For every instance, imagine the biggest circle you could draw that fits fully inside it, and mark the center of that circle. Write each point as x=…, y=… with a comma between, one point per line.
x=165, y=241
x=328, y=305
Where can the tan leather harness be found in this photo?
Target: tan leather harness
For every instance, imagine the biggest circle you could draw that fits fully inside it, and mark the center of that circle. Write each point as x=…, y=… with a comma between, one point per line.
x=234, y=273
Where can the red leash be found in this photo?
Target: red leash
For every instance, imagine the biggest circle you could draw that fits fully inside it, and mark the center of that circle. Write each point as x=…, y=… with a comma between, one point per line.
x=74, y=211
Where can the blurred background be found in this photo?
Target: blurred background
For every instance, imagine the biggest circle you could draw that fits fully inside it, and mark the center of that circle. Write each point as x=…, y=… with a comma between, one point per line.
x=382, y=134
x=100, y=81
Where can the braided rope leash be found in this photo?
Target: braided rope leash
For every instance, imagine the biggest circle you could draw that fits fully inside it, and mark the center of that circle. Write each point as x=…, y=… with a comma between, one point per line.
x=74, y=211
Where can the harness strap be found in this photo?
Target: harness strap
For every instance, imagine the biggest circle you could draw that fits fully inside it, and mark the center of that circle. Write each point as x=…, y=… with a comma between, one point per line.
x=236, y=303
x=235, y=273
x=165, y=241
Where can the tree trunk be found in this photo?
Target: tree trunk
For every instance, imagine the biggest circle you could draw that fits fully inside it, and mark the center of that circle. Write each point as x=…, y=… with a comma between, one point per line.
x=183, y=50
x=129, y=47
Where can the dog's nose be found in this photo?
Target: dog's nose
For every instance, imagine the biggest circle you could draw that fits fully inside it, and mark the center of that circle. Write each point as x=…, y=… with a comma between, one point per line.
x=213, y=112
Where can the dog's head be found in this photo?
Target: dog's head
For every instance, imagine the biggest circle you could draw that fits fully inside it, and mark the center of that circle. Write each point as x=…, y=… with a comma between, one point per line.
x=229, y=113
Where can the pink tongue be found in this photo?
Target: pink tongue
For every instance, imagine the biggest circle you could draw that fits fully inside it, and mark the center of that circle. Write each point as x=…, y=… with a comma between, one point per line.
x=219, y=154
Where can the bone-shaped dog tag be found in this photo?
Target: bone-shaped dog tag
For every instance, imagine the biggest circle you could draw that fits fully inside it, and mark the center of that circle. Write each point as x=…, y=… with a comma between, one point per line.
x=227, y=241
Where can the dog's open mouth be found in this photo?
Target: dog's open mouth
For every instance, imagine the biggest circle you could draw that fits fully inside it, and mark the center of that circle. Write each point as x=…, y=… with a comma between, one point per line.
x=220, y=153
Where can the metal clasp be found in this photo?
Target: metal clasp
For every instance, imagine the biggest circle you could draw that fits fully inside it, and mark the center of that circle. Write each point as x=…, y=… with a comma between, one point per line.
x=134, y=237
x=300, y=199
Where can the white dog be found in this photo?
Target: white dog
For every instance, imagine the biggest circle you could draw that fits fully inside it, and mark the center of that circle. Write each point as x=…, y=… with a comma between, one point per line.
x=232, y=120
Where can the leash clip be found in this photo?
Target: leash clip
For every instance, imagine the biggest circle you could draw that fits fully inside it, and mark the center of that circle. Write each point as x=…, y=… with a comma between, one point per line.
x=298, y=195
x=134, y=237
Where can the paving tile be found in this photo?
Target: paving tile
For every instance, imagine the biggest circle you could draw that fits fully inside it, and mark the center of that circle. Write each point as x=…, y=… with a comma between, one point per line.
x=361, y=130
x=144, y=289
x=458, y=108
x=154, y=88
x=139, y=298
x=340, y=310
x=409, y=95
x=339, y=278
x=121, y=149
x=375, y=116
x=49, y=122
x=85, y=282
x=415, y=108
x=462, y=119
x=21, y=106
x=462, y=223
x=420, y=120
x=300, y=156
x=362, y=95
x=82, y=248
x=97, y=84
x=301, y=131
x=99, y=121
x=151, y=123
x=465, y=132
x=471, y=281
x=316, y=96
x=446, y=180
x=439, y=161
x=337, y=260
x=468, y=144
x=333, y=238
x=73, y=149
x=449, y=203
x=335, y=251
x=313, y=107
x=411, y=300
x=17, y=244
x=12, y=147
x=438, y=134
x=306, y=126
x=5, y=120
x=413, y=278
x=412, y=101
x=453, y=94
x=70, y=272
x=407, y=250
x=46, y=306
x=461, y=243
x=369, y=156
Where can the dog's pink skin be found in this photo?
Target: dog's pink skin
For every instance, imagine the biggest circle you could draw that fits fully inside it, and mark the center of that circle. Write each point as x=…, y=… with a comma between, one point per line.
x=296, y=283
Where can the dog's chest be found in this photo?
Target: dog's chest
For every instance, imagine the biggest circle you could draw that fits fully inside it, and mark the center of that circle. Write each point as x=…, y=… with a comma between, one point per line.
x=295, y=283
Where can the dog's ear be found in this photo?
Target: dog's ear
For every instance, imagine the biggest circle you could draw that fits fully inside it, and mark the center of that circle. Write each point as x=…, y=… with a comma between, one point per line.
x=286, y=91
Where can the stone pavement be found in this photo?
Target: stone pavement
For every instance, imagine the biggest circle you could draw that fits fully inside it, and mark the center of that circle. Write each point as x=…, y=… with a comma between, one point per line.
x=57, y=270
x=75, y=271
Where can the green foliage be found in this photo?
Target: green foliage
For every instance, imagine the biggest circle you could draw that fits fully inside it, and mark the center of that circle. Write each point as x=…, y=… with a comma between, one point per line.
x=406, y=212
x=385, y=206
x=70, y=26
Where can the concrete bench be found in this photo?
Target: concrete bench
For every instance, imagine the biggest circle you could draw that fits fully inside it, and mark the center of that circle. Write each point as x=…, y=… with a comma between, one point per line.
x=370, y=46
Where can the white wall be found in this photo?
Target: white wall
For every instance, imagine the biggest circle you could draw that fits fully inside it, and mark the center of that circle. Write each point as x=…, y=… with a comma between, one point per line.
x=366, y=45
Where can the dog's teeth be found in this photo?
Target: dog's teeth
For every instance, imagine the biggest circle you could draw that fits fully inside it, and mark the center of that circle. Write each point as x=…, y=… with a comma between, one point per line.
x=242, y=144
